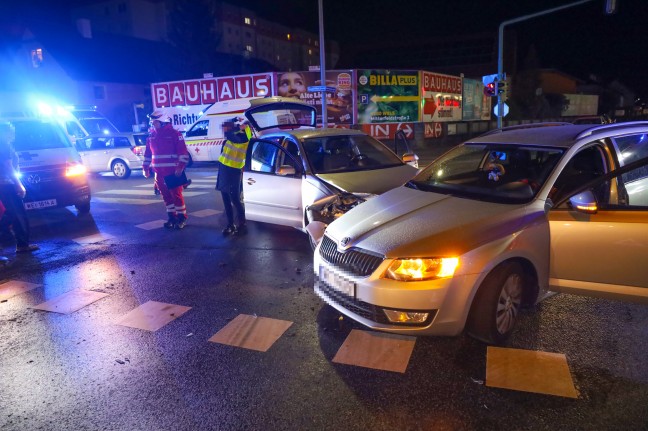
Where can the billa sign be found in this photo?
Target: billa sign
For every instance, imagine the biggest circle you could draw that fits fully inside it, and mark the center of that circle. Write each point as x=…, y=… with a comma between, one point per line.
x=387, y=96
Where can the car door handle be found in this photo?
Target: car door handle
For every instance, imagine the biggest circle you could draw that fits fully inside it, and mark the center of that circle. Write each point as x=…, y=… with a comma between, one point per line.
x=251, y=181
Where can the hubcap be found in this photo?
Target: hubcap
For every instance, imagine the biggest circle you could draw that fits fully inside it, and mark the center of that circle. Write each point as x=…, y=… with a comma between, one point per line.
x=509, y=303
x=119, y=170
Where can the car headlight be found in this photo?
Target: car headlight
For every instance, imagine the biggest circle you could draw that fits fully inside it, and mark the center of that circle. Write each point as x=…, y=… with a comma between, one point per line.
x=74, y=169
x=420, y=269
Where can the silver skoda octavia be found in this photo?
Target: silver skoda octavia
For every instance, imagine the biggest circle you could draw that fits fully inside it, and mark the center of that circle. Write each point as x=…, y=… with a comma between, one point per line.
x=493, y=225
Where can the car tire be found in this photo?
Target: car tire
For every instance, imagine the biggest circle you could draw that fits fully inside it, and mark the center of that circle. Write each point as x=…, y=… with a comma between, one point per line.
x=497, y=304
x=120, y=169
x=83, y=208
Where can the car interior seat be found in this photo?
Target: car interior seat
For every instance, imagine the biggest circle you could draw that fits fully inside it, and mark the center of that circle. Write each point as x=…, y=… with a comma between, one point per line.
x=336, y=154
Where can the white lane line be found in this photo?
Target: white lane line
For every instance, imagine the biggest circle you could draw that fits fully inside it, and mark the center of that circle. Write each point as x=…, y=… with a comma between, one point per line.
x=92, y=239
x=205, y=213
x=155, y=224
x=139, y=193
x=131, y=201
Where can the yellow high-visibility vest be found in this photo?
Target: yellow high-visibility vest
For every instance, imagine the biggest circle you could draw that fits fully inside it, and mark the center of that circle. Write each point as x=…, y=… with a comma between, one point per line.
x=233, y=154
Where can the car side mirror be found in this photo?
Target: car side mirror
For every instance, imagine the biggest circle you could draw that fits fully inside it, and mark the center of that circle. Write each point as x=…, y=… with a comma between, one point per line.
x=286, y=170
x=584, y=202
x=411, y=159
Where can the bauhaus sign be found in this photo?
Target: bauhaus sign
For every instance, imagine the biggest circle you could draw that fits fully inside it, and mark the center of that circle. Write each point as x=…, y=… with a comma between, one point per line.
x=210, y=90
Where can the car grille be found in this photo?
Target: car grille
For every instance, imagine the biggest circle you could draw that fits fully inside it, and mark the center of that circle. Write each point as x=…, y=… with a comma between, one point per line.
x=353, y=261
x=364, y=309
x=361, y=308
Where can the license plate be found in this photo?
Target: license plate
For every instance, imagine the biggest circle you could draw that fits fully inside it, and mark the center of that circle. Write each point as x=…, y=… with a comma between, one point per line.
x=338, y=282
x=40, y=204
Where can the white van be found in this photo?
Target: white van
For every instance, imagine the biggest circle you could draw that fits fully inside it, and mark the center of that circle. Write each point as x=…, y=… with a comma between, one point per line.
x=81, y=121
x=50, y=167
x=204, y=138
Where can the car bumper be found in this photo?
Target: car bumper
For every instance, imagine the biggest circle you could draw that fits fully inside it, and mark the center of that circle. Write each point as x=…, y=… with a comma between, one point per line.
x=61, y=192
x=368, y=300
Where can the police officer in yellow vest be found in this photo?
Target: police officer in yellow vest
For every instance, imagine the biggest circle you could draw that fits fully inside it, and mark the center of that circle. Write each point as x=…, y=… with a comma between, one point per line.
x=230, y=174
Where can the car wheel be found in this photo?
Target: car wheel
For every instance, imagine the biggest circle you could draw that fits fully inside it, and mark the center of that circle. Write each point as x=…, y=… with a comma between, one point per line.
x=83, y=208
x=496, y=305
x=120, y=169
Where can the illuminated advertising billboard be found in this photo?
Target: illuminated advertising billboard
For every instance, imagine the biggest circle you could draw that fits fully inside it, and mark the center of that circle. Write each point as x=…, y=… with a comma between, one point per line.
x=387, y=96
x=185, y=101
x=340, y=108
x=441, y=97
x=476, y=105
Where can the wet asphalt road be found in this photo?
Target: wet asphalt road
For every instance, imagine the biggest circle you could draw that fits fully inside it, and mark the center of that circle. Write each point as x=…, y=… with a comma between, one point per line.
x=81, y=371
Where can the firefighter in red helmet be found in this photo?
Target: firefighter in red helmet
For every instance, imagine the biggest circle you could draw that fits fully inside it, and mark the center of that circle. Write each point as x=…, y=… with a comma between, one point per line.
x=166, y=155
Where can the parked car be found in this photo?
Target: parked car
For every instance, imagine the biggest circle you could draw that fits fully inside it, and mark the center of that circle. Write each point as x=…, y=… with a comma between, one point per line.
x=118, y=153
x=300, y=176
x=493, y=225
x=50, y=167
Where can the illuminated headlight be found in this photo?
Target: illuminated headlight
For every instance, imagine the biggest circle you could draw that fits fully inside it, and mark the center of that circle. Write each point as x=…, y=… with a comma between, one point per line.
x=421, y=269
x=73, y=170
x=396, y=316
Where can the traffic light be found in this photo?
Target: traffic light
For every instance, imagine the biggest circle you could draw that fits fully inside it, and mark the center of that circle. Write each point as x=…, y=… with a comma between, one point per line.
x=502, y=89
x=490, y=85
x=490, y=89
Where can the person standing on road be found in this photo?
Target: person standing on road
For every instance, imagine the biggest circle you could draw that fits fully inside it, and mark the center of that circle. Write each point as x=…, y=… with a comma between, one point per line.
x=166, y=154
x=230, y=174
x=12, y=191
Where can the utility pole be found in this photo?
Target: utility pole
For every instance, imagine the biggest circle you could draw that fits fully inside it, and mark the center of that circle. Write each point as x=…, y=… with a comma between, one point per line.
x=610, y=5
x=322, y=63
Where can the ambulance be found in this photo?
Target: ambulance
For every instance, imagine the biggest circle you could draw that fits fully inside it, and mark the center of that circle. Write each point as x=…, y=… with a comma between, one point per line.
x=204, y=138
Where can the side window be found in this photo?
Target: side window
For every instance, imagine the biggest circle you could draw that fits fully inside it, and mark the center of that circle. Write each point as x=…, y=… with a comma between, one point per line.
x=264, y=156
x=585, y=166
x=635, y=184
x=632, y=148
x=199, y=129
x=121, y=142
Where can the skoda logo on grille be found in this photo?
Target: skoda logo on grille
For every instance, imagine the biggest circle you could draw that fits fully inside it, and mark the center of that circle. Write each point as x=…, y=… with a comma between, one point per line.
x=345, y=241
x=34, y=179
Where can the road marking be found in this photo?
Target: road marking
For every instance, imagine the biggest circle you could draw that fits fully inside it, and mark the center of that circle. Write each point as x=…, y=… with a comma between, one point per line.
x=139, y=193
x=15, y=287
x=71, y=301
x=379, y=351
x=529, y=371
x=131, y=201
x=93, y=239
x=205, y=213
x=152, y=315
x=251, y=332
x=155, y=224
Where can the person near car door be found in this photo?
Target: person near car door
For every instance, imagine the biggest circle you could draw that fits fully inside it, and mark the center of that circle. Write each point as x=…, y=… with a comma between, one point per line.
x=230, y=174
x=166, y=154
x=12, y=191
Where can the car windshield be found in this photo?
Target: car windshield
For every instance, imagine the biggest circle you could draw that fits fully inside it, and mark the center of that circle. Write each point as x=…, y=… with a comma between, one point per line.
x=335, y=154
x=39, y=135
x=496, y=173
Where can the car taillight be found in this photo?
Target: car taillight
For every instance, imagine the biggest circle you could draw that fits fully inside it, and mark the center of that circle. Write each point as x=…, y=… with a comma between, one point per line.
x=74, y=169
x=138, y=151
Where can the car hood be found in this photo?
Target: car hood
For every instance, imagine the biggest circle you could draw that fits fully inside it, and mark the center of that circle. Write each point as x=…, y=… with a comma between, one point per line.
x=375, y=181
x=410, y=223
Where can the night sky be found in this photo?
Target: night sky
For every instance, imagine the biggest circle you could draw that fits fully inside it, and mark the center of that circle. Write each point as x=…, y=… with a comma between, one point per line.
x=581, y=40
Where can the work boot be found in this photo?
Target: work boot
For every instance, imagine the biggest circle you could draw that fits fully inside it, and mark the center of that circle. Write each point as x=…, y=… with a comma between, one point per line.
x=170, y=224
x=229, y=230
x=181, y=222
x=241, y=230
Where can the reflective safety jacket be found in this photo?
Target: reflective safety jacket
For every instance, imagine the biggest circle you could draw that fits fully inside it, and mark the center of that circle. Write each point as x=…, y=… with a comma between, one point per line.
x=165, y=151
x=234, y=150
